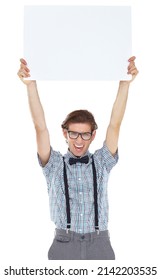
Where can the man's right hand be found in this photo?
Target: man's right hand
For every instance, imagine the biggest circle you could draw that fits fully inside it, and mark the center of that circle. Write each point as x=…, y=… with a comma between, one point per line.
x=24, y=72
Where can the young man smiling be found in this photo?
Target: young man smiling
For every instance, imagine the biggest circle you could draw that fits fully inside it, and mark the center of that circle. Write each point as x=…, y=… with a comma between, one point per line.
x=77, y=181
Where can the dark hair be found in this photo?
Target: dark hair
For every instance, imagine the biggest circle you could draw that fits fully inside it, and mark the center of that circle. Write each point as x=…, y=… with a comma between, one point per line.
x=80, y=116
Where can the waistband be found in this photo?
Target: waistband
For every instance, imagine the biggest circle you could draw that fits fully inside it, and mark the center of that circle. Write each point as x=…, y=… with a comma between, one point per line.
x=62, y=234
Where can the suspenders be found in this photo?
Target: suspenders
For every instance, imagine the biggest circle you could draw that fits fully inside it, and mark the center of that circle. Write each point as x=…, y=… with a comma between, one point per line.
x=95, y=197
x=67, y=197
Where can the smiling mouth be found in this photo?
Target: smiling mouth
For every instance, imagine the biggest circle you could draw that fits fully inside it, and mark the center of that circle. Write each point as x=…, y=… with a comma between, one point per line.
x=78, y=146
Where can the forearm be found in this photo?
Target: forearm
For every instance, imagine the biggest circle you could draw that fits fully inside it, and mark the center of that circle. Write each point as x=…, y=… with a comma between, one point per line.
x=118, y=109
x=119, y=106
x=36, y=108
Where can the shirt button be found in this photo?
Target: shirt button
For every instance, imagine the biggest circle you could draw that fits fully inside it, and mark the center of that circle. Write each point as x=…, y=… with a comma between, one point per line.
x=80, y=193
x=81, y=214
x=79, y=179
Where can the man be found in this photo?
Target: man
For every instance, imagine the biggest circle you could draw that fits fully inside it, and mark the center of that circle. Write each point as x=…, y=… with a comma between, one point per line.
x=77, y=181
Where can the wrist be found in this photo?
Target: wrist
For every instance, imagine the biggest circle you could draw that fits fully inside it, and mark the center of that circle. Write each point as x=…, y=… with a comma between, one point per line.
x=32, y=85
x=124, y=84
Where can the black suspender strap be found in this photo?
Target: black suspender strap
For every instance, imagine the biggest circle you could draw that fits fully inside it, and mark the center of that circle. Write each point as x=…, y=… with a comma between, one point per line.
x=67, y=198
x=95, y=197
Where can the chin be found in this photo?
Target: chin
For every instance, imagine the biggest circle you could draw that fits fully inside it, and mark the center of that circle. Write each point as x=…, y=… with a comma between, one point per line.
x=77, y=153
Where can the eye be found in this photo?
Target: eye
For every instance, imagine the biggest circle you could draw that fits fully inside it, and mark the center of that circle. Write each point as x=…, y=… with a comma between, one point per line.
x=86, y=135
x=73, y=134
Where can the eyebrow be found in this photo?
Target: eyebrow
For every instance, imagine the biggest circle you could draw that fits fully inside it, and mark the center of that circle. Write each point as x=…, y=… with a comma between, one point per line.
x=79, y=132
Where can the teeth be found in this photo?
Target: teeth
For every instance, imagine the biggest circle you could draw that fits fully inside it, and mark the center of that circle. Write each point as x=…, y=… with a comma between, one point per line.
x=77, y=146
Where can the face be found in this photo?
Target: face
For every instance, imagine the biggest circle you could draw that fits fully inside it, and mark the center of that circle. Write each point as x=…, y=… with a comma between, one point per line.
x=79, y=146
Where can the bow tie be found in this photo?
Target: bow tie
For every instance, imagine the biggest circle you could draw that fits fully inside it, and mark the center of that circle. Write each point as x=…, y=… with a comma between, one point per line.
x=84, y=159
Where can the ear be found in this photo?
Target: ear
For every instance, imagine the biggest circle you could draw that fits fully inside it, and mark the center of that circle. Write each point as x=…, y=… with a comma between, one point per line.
x=64, y=132
x=93, y=135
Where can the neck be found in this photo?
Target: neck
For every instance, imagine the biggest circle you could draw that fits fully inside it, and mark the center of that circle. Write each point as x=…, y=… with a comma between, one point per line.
x=77, y=156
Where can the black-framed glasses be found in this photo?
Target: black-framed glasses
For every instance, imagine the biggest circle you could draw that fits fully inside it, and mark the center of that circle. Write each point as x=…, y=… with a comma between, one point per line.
x=84, y=135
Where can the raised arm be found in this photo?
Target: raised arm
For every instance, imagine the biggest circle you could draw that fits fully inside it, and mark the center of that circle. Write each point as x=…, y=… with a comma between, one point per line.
x=37, y=113
x=118, y=109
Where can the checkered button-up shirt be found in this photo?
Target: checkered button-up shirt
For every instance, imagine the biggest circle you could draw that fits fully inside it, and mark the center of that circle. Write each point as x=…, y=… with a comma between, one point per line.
x=80, y=181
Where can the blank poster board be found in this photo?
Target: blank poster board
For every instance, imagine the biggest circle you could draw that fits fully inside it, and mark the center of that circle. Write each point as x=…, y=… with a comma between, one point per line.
x=77, y=42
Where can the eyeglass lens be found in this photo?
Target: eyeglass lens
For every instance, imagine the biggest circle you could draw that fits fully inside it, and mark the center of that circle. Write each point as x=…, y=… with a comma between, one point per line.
x=84, y=135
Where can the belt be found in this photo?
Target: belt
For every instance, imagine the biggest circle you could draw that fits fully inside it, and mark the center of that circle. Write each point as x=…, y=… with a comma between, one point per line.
x=63, y=236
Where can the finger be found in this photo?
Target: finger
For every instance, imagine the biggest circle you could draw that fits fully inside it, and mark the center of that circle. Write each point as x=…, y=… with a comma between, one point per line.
x=131, y=68
x=23, y=61
x=23, y=71
x=20, y=75
x=131, y=65
x=23, y=74
x=134, y=73
x=24, y=68
x=132, y=58
x=23, y=65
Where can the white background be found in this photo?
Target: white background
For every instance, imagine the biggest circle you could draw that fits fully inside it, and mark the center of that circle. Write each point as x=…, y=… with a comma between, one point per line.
x=134, y=186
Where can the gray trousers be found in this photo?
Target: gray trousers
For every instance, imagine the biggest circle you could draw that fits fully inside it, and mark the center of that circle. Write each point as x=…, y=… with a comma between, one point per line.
x=75, y=246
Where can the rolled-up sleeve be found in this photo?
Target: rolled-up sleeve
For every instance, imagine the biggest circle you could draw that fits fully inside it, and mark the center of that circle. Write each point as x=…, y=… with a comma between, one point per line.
x=49, y=169
x=105, y=158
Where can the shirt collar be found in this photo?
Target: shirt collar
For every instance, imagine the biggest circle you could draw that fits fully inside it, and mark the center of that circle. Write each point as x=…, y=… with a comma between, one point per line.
x=69, y=155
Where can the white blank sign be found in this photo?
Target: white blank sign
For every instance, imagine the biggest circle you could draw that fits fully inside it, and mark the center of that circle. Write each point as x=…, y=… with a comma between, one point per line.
x=77, y=42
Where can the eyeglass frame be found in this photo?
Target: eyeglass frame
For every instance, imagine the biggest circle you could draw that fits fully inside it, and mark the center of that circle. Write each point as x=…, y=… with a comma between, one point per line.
x=80, y=133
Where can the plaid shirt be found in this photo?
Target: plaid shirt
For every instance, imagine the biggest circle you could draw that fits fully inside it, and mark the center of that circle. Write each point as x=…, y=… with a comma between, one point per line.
x=80, y=181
